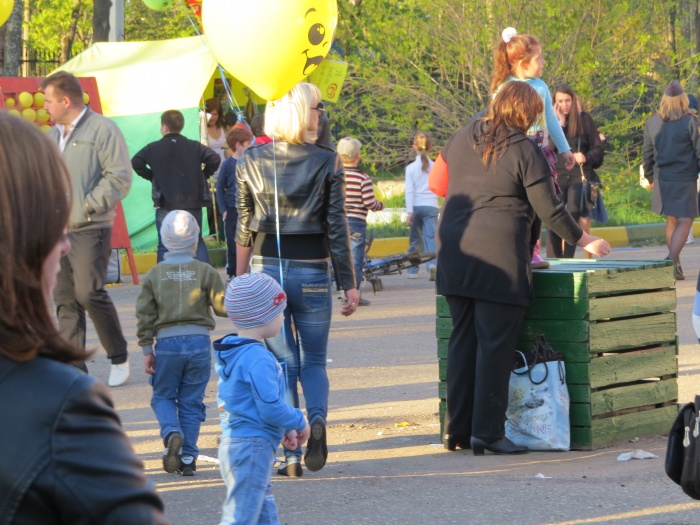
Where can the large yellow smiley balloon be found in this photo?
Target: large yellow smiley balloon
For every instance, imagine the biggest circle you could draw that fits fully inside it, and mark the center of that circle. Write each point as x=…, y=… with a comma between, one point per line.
x=270, y=45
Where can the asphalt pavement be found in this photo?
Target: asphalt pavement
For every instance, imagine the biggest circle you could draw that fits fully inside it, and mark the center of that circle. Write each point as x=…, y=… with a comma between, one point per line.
x=385, y=464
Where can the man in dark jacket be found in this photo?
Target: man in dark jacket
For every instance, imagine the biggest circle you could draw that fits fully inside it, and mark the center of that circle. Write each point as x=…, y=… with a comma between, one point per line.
x=173, y=164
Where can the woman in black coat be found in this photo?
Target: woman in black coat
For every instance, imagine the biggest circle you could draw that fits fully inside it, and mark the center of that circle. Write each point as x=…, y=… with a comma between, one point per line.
x=494, y=180
x=584, y=139
x=66, y=458
x=671, y=155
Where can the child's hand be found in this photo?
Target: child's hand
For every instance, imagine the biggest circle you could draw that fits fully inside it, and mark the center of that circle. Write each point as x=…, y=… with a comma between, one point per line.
x=290, y=441
x=570, y=160
x=303, y=435
x=149, y=364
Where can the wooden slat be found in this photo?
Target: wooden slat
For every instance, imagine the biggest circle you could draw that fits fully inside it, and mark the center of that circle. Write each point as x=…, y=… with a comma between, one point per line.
x=616, y=306
x=621, y=398
x=441, y=308
x=443, y=327
x=557, y=330
x=608, y=336
x=559, y=284
x=604, y=432
x=638, y=424
x=633, y=366
x=580, y=414
x=557, y=308
x=578, y=393
x=630, y=281
x=442, y=369
x=573, y=352
x=442, y=348
x=578, y=374
x=442, y=390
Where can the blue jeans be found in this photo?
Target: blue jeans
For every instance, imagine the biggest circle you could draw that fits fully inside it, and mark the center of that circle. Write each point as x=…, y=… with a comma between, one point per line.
x=183, y=367
x=302, y=350
x=202, y=253
x=423, y=232
x=246, y=466
x=358, y=234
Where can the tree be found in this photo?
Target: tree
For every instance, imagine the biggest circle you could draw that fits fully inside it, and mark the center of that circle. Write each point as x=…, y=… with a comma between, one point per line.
x=12, y=52
x=100, y=20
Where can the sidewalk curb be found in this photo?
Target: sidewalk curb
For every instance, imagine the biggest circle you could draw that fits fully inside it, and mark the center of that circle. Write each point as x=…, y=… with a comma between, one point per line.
x=617, y=236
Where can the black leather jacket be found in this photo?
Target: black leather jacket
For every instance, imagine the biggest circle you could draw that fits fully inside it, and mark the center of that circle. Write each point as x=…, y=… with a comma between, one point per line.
x=311, y=193
x=65, y=457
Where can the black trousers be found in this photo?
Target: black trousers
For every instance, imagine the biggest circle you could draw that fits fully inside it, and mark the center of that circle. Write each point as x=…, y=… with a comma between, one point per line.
x=480, y=358
x=80, y=287
x=571, y=187
x=230, y=229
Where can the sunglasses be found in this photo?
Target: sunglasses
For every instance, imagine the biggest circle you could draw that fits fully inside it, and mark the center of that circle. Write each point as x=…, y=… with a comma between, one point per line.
x=320, y=108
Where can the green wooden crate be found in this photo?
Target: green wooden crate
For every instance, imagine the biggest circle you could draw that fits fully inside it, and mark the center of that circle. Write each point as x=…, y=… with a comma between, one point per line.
x=615, y=325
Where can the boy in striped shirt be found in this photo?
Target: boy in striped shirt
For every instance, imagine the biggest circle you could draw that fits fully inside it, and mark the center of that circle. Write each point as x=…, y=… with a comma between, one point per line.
x=359, y=199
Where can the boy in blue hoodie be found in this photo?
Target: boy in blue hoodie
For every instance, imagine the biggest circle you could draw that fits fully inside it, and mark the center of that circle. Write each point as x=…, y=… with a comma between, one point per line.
x=252, y=392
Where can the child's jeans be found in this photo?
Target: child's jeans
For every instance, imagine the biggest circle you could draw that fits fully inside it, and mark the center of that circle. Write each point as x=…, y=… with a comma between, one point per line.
x=246, y=467
x=358, y=234
x=183, y=367
x=422, y=231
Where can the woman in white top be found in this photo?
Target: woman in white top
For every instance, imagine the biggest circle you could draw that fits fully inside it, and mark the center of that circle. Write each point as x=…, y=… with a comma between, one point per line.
x=216, y=137
x=216, y=140
x=421, y=203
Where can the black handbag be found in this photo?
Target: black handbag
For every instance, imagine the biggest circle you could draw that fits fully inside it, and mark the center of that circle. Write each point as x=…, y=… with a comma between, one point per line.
x=589, y=191
x=683, y=452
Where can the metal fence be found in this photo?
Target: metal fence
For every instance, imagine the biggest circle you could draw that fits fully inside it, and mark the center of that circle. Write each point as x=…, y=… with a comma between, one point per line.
x=36, y=63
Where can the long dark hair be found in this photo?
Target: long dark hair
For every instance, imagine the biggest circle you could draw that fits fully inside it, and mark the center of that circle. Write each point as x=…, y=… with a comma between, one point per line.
x=574, y=126
x=516, y=107
x=35, y=193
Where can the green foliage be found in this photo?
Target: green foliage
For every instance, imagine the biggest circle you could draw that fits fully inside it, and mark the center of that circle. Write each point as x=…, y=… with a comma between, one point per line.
x=142, y=23
x=419, y=65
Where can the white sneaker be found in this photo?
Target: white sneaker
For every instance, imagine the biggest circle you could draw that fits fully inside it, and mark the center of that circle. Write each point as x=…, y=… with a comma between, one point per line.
x=413, y=276
x=690, y=239
x=118, y=374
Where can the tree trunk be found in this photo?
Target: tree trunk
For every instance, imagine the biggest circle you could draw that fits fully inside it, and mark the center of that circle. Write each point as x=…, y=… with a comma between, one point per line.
x=100, y=20
x=672, y=40
x=69, y=38
x=13, y=41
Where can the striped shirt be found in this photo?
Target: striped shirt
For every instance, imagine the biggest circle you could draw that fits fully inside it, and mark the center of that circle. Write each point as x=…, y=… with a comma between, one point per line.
x=359, y=196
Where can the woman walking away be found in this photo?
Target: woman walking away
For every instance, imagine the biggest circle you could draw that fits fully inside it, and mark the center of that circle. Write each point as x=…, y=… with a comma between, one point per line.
x=66, y=458
x=495, y=181
x=421, y=203
x=519, y=58
x=359, y=200
x=291, y=218
x=584, y=139
x=671, y=156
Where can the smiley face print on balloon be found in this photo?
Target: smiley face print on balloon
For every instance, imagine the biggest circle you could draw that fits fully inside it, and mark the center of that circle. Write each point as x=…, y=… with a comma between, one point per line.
x=270, y=45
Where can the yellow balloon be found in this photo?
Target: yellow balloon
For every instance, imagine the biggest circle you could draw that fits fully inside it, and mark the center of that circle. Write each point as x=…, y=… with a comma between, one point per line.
x=86, y=98
x=45, y=128
x=39, y=99
x=9, y=102
x=5, y=10
x=303, y=31
x=25, y=99
x=42, y=115
x=15, y=113
x=29, y=114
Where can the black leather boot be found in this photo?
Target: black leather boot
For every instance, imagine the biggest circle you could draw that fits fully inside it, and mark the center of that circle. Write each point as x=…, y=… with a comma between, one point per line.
x=500, y=446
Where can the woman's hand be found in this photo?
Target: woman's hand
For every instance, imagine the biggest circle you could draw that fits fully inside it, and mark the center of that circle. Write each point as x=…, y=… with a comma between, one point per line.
x=409, y=219
x=594, y=245
x=353, y=298
x=580, y=158
x=570, y=160
x=560, y=116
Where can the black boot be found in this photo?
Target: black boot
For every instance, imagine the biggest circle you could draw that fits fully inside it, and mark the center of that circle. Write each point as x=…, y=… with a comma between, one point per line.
x=452, y=442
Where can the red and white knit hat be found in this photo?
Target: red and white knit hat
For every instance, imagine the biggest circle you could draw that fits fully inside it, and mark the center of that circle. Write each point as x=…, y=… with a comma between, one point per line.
x=254, y=299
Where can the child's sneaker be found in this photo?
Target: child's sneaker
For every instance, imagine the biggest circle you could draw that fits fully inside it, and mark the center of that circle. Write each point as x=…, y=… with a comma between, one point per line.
x=171, y=455
x=317, y=449
x=538, y=263
x=188, y=466
x=291, y=470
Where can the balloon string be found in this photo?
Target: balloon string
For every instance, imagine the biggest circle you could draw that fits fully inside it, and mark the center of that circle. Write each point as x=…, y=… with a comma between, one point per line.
x=229, y=93
x=277, y=223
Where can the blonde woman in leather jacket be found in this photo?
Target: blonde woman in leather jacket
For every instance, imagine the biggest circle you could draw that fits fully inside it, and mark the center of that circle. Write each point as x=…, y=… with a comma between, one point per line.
x=66, y=458
x=291, y=219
